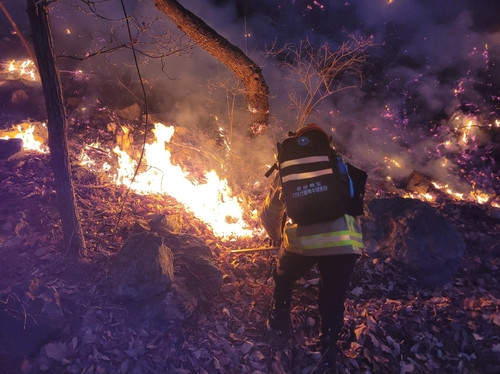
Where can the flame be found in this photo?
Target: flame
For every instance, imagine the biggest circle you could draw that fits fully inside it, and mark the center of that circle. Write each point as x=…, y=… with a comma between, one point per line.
x=211, y=200
x=474, y=195
x=466, y=132
x=26, y=132
x=420, y=196
x=23, y=69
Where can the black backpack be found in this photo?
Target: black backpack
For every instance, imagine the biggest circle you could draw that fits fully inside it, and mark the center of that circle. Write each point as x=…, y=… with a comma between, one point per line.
x=317, y=184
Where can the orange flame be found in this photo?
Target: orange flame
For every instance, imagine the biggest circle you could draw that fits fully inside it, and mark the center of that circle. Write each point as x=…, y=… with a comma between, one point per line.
x=211, y=201
x=23, y=69
x=475, y=196
x=26, y=132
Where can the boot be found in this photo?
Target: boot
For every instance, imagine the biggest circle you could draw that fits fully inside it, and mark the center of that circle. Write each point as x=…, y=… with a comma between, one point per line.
x=329, y=351
x=279, y=317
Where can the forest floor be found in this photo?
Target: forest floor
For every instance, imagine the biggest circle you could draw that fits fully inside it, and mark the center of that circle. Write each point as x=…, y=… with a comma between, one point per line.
x=391, y=324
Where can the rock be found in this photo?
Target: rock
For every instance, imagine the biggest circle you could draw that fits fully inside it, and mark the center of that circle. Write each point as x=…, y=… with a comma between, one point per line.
x=140, y=226
x=153, y=294
x=413, y=233
x=197, y=279
x=131, y=112
x=9, y=147
x=142, y=269
x=19, y=97
x=201, y=272
x=165, y=225
x=418, y=183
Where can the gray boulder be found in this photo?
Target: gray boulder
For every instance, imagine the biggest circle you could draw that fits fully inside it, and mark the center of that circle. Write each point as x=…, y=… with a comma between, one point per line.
x=163, y=276
x=195, y=263
x=142, y=269
x=413, y=233
x=9, y=147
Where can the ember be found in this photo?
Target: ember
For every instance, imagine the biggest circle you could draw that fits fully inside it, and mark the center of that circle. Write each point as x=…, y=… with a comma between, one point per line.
x=22, y=70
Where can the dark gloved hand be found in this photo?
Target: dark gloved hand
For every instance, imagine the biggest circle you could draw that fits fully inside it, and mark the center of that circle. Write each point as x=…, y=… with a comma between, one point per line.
x=273, y=243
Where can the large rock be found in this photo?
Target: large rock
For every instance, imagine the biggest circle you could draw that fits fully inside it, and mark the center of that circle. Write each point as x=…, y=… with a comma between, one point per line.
x=142, y=269
x=192, y=277
x=9, y=147
x=195, y=264
x=413, y=233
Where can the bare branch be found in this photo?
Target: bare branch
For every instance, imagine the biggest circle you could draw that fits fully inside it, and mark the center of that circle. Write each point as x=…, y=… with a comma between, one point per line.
x=151, y=38
x=320, y=70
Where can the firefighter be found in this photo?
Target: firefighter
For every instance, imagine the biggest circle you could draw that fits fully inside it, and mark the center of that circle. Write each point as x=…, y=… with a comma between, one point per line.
x=334, y=246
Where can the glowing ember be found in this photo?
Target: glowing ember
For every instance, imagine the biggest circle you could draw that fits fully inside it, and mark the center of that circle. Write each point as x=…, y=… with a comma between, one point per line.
x=390, y=161
x=25, y=69
x=420, y=196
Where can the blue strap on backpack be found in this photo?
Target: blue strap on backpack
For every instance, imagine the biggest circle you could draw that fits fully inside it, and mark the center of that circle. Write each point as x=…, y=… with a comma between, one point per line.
x=344, y=170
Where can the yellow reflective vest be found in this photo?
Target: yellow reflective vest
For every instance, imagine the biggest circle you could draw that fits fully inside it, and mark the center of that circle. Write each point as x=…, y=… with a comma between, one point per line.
x=341, y=236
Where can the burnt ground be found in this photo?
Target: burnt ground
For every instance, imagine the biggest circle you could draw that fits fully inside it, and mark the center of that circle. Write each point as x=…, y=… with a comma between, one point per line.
x=391, y=324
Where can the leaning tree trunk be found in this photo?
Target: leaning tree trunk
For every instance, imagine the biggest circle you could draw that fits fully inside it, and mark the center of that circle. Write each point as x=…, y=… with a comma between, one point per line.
x=59, y=158
x=233, y=57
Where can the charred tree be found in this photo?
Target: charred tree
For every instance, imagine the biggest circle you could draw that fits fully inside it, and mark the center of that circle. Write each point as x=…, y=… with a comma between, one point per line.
x=56, y=124
x=234, y=58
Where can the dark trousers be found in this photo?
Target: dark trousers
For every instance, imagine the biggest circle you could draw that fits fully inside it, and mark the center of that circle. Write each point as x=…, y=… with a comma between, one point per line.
x=335, y=273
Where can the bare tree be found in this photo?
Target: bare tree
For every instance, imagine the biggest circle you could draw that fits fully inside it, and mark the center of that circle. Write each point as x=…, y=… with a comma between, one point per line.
x=320, y=70
x=257, y=92
x=56, y=124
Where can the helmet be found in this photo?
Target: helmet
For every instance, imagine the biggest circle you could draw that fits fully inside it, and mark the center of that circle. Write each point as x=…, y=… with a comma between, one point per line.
x=310, y=127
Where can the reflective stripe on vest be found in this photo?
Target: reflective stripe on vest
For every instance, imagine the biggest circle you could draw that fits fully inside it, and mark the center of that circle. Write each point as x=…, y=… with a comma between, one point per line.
x=333, y=239
x=347, y=235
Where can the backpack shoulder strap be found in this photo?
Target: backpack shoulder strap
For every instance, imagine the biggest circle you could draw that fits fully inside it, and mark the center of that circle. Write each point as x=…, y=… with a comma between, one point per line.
x=275, y=165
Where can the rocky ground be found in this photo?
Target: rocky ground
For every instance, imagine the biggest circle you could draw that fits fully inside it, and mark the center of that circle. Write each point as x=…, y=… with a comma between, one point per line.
x=392, y=325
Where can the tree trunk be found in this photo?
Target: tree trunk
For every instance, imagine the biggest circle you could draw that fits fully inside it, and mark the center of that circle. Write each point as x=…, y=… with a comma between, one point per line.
x=59, y=158
x=233, y=57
